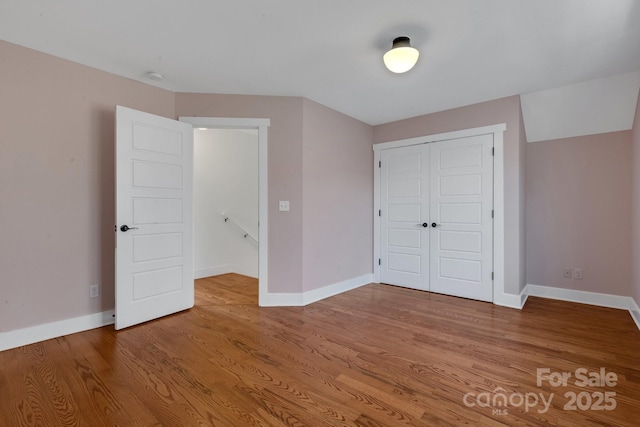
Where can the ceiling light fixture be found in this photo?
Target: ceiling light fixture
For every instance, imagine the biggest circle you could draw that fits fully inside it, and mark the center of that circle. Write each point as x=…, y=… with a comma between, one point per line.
x=402, y=57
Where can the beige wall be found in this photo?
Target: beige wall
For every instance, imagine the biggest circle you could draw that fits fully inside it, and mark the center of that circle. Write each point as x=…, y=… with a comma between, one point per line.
x=579, y=212
x=57, y=189
x=57, y=184
x=505, y=110
x=285, y=172
x=337, y=198
x=635, y=226
x=317, y=157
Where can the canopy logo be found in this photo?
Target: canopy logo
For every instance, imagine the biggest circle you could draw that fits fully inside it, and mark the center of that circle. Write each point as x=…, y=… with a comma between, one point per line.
x=499, y=400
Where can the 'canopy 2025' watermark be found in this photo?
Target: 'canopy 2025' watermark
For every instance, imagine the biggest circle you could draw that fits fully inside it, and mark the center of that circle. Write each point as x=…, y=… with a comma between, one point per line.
x=499, y=401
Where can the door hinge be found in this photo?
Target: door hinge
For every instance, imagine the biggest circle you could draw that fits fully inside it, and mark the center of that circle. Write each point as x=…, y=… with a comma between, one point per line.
x=379, y=261
x=492, y=275
x=379, y=212
x=380, y=163
x=491, y=213
x=493, y=151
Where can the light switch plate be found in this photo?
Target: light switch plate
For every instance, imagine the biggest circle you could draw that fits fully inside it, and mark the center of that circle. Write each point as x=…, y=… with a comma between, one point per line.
x=283, y=206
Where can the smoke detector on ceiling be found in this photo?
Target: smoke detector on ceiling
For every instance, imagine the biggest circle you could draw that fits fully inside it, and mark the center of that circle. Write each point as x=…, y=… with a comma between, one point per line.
x=154, y=75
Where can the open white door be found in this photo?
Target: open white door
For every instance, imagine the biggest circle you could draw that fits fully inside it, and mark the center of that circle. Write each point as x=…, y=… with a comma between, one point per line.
x=154, y=226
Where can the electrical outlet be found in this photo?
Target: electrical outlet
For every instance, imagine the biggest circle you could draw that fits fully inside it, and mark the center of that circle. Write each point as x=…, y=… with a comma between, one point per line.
x=94, y=291
x=577, y=273
x=283, y=206
x=566, y=273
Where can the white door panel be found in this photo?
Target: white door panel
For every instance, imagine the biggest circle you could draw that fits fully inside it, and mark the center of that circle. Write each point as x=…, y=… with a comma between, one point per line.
x=460, y=241
x=461, y=255
x=404, y=188
x=460, y=269
x=157, y=140
x=148, y=210
x=460, y=213
x=404, y=263
x=150, y=247
x=404, y=238
x=449, y=184
x=460, y=157
x=405, y=206
x=154, y=175
x=460, y=185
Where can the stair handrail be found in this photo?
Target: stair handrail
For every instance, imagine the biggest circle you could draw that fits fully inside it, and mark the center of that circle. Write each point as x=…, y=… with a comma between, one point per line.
x=244, y=232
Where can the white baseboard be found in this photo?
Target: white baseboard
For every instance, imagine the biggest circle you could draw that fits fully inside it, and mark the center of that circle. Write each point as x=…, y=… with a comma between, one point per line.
x=211, y=271
x=634, y=309
x=591, y=298
x=583, y=297
x=280, y=300
x=34, y=334
x=305, y=298
x=511, y=300
x=335, y=289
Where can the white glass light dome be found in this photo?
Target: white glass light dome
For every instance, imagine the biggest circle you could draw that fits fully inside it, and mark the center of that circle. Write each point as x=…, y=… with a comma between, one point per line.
x=402, y=57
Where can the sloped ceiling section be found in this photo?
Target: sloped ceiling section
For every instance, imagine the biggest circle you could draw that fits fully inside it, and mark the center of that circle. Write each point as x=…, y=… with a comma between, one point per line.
x=588, y=108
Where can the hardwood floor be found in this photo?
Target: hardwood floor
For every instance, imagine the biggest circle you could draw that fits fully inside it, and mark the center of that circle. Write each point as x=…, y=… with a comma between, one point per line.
x=375, y=356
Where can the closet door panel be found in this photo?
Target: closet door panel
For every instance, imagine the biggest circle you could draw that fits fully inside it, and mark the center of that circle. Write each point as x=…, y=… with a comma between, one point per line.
x=404, y=202
x=461, y=203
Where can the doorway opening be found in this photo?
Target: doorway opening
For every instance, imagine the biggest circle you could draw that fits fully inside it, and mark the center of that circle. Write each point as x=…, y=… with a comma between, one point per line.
x=239, y=224
x=225, y=202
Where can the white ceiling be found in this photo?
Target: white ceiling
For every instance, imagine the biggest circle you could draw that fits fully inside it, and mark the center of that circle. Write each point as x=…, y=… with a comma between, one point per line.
x=331, y=51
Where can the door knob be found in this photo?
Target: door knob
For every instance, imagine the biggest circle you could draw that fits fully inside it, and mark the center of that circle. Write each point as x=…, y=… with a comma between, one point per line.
x=424, y=224
x=434, y=225
x=127, y=228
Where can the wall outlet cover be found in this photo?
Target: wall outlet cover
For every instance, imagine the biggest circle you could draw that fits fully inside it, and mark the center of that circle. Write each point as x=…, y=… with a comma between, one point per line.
x=283, y=205
x=94, y=291
x=577, y=273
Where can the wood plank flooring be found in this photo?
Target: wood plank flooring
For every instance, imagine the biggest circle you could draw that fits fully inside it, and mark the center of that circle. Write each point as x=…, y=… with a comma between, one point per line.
x=375, y=356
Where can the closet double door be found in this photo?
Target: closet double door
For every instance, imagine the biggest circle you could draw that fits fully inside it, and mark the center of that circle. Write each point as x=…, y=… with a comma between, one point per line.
x=436, y=217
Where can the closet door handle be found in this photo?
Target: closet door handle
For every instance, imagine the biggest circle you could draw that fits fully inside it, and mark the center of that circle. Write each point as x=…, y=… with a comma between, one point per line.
x=434, y=225
x=424, y=224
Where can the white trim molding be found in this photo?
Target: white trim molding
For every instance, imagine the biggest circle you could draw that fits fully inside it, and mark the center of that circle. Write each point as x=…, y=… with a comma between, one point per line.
x=634, y=310
x=483, y=130
x=499, y=295
x=583, y=297
x=46, y=331
x=511, y=300
x=305, y=298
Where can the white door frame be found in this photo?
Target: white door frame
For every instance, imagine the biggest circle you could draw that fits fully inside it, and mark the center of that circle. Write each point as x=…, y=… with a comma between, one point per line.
x=263, y=201
x=498, y=196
